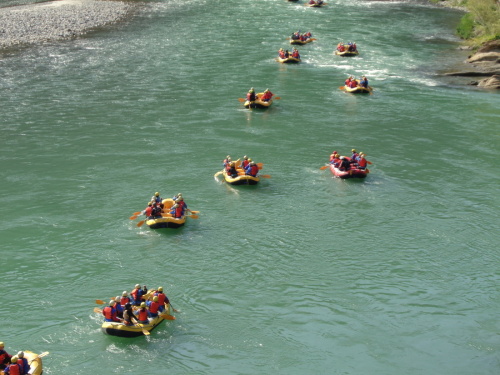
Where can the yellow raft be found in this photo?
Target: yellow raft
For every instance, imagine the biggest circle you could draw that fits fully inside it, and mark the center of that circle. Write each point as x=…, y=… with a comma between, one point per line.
x=35, y=362
x=166, y=220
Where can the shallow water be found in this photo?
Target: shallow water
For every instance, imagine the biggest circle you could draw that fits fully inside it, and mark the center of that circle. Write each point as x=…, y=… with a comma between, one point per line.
x=304, y=273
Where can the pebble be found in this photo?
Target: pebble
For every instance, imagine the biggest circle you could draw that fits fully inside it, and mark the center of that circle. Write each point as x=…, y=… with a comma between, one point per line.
x=56, y=20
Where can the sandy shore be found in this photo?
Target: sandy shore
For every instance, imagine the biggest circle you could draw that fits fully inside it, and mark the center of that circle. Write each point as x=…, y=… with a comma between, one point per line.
x=54, y=20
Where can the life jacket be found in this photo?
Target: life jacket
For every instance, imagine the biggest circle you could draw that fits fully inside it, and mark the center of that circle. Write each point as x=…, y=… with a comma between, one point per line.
x=109, y=313
x=348, y=82
x=154, y=307
x=251, y=96
x=148, y=211
x=124, y=301
x=142, y=315
x=244, y=164
x=295, y=54
x=14, y=369
x=362, y=162
x=353, y=84
x=253, y=170
x=161, y=297
x=4, y=357
x=267, y=95
x=134, y=294
x=179, y=211
x=23, y=365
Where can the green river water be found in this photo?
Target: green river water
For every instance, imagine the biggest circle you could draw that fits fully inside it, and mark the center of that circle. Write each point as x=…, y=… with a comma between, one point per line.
x=302, y=274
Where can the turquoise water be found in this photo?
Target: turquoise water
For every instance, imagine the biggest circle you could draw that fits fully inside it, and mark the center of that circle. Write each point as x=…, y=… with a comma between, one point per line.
x=304, y=273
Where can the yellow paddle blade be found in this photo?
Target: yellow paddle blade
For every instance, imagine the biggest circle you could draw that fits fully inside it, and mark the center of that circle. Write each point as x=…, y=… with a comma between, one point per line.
x=265, y=176
x=97, y=310
x=167, y=316
x=241, y=100
x=324, y=167
x=193, y=216
x=100, y=302
x=139, y=224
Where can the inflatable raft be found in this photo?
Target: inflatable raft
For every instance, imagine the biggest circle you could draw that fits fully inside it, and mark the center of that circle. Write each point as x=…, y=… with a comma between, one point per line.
x=35, y=362
x=346, y=53
x=288, y=60
x=166, y=220
x=122, y=330
x=353, y=172
x=258, y=103
x=358, y=90
x=242, y=179
x=315, y=5
x=301, y=42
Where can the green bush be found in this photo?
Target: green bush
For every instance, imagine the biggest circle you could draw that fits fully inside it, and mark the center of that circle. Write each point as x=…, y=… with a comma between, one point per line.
x=465, y=28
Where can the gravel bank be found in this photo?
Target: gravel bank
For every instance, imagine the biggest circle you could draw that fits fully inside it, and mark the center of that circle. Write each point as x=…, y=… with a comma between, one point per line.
x=56, y=20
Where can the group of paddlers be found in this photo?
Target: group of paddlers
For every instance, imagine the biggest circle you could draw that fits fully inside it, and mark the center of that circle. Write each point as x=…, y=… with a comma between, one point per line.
x=285, y=54
x=343, y=163
x=148, y=304
x=353, y=83
x=252, y=96
x=155, y=208
x=350, y=47
x=13, y=364
x=303, y=37
x=247, y=167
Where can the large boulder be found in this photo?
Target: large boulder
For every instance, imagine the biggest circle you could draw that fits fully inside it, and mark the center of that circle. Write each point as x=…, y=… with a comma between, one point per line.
x=492, y=82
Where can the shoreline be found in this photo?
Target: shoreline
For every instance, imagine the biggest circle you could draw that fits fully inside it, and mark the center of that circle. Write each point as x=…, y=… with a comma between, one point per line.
x=23, y=25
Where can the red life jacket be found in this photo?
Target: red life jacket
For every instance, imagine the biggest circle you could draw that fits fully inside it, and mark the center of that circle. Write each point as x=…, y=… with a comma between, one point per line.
x=14, y=369
x=148, y=210
x=134, y=293
x=254, y=169
x=161, y=298
x=154, y=307
x=109, y=313
x=178, y=211
x=362, y=162
x=4, y=356
x=143, y=315
x=124, y=301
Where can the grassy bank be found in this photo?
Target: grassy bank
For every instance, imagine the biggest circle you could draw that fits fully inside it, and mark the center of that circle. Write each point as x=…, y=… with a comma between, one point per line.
x=481, y=23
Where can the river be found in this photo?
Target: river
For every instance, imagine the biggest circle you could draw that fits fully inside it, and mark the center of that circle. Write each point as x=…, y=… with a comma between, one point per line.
x=301, y=274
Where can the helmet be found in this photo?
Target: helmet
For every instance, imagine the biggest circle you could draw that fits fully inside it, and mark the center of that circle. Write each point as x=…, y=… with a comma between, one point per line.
x=117, y=298
x=14, y=359
x=20, y=354
x=353, y=150
x=160, y=289
x=112, y=303
x=137, y=286
x=150, y=203
x=143, y=304
x=334, y=152
x=249, y=160
x=124, y=294
x=1, y=344
x=157, y=194
x=245, y=157
x=179, y=195
x=155, y=298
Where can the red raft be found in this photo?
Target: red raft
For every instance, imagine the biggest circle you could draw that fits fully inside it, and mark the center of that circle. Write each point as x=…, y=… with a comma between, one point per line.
x=353, y=172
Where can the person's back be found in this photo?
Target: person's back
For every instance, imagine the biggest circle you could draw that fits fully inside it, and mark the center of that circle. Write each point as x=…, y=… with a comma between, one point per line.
x=353, y=84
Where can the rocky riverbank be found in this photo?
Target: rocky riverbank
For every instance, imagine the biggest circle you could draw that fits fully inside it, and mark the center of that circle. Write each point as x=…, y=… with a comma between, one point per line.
x=484, y=63
x=55, y=20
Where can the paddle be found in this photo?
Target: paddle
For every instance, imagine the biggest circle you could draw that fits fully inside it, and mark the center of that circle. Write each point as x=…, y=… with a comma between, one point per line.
x=173, y=308
x=100, y=302
x=324, y=167
x=167, y=316
x=342, y=88
x=265, y=176
x=133, y=217
x=192, y=216
x=139, y=224
x=97, y=310
x=241, y=100
x=144, y=331
x=277, y=98
x=218, y=174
